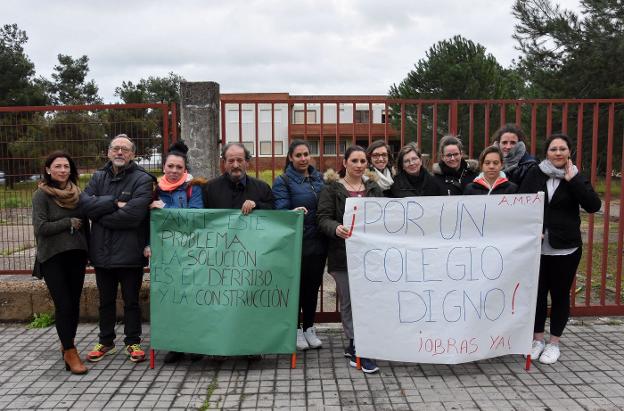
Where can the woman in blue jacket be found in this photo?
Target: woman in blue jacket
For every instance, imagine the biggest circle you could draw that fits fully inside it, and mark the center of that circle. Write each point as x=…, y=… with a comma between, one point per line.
x=177, y=189
x=298, y=189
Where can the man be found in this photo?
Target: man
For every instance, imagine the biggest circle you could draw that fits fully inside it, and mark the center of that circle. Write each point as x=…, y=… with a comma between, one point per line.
x=116, y=200
x=235, y=189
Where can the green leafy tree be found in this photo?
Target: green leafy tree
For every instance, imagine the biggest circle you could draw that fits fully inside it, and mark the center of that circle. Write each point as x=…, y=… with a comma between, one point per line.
x=453, y=69
x=146, y=124
x=568, y=56
x=69, y=83
x=18, y=87
x=575, y=55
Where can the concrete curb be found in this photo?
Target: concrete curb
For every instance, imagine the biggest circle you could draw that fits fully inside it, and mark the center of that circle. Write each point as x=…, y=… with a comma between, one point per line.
x=20, y=300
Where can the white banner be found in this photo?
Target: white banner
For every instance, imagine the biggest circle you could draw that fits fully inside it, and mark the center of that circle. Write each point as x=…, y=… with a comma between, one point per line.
x=444, y=279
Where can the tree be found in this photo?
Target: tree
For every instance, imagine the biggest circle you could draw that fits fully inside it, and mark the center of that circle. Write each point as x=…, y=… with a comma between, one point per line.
x=151, y=90
x=453, y=69
x=457, y=69
x=148, y=122
x=566, y=56
x=69, y=85
x=17, y=84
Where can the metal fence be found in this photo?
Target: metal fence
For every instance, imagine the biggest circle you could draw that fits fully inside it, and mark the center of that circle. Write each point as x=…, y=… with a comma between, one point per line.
x=265, y=123
x=28, y=134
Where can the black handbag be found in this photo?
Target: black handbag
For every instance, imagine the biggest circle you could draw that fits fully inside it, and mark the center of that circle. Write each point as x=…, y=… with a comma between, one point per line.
x=36, y=272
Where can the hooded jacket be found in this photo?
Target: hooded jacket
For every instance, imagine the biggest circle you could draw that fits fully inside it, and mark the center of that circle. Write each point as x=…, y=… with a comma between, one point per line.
x=188, y=195
x=455, y=181
x=480, y=186
x=118, y=234
x=330, y=213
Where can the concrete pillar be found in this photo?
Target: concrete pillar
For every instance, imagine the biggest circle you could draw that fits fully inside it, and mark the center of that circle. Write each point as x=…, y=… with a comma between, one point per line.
x=199, y=112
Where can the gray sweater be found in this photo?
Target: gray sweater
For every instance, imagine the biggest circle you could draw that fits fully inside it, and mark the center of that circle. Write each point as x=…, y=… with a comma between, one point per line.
x=52, y=226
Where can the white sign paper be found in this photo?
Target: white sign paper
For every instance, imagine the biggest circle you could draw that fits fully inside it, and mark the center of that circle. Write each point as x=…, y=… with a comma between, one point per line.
x=444, y=279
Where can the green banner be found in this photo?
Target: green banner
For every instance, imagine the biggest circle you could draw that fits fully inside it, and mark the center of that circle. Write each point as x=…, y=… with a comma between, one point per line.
x=223, y=283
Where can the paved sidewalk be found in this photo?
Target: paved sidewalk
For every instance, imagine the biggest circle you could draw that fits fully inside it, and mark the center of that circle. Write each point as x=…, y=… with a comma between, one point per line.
x=590, y=375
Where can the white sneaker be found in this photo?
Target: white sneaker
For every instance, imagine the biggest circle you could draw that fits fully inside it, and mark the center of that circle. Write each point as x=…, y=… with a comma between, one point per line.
x=536, y=349
x=311, y=338
x=551, y=354
x=302, y=343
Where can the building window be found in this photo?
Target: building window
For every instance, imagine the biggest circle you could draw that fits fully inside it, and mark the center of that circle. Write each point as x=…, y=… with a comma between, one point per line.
x=251, y=146
x=265, y=148
x=248, y=116
x=299, y=116
x=329, y=147
x=265, y=116
x=314, y=148
x=361, y=116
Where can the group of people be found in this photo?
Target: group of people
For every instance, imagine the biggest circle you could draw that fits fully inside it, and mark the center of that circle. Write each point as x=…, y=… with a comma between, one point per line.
x=108, y=223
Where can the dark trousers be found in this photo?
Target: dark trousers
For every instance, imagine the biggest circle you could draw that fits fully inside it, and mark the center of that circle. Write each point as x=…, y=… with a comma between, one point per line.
x=108, y=280
x=556, y=275
x=64, y=275
x=312, y=269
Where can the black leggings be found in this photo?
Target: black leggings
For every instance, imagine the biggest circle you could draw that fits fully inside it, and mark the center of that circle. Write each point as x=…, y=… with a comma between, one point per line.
x=556, y=276
x=64, y=275
x=312, y=269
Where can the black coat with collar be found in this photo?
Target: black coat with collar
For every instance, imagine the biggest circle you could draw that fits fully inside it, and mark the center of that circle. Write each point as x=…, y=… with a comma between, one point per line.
x=561, y=214
x=221, y=192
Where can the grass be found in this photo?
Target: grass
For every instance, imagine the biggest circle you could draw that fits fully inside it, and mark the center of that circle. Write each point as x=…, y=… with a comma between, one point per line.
x=601, y=186
x=42, y=320
x=266, y=175
x=209, y=391
x=8, y=252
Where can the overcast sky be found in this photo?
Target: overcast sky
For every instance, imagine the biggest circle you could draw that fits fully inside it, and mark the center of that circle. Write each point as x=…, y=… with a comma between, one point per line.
x=297, y=46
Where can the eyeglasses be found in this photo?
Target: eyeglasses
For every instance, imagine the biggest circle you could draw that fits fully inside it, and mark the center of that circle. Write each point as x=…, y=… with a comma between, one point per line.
x=452, y=155
x=409, y=161
x=378, y=155
x=123, y=149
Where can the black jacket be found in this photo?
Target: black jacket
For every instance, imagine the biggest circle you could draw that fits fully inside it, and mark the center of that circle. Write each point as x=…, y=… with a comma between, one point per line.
x=118, y=235
x=561, y=214
x=423, y=185
x=329, y=216
x=221, y=192
x=476, y=188
x=517, y=174
x=453, y=182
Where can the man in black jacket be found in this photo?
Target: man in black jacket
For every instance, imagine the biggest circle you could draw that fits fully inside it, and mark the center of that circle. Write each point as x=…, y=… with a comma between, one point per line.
x=235, y=189
x=116, y=200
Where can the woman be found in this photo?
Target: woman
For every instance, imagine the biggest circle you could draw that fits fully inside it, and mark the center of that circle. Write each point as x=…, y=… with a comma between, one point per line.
x=517, y=161
x=61, y=233
x=491, y=180
x=380, y=161
x=412, y=178
x=298, y=189
x=566, y=189
x=350, y=182
x=452, y=172
x=177, y=189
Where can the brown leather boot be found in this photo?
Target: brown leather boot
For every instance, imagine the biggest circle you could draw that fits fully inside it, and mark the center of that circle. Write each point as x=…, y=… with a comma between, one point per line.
x=73, y=362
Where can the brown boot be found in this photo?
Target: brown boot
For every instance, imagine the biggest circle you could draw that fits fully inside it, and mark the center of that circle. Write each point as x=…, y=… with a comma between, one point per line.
x=73, y=362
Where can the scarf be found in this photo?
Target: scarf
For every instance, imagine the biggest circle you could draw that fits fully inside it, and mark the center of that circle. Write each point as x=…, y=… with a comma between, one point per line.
x=416, y=181
x=385, y=178
x=512, y=159
x=64, y=198
x=553, y=172
x=166, y=185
